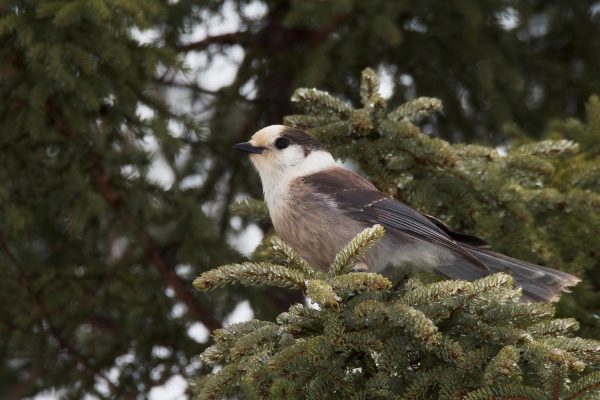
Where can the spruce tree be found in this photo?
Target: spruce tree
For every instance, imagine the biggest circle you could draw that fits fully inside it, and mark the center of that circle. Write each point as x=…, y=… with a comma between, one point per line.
x=397, y=336
x=97, y=258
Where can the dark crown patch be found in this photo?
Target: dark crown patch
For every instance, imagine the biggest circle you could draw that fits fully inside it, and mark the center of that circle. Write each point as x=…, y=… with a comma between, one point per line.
x=299, y=137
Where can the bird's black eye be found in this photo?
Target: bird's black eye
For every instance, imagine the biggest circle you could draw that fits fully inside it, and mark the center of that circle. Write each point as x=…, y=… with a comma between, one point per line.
x=282, y=143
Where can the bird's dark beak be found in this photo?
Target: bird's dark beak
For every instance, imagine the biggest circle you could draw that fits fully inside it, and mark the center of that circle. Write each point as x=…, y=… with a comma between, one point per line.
x=247, y=147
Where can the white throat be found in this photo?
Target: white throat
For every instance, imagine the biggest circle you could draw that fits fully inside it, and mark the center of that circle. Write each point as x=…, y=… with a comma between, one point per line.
x=276, y=179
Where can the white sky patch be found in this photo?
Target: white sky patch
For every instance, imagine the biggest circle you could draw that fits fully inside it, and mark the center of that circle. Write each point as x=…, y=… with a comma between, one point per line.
x=509, y=19
x=255, y=10
x=147, y=36
x=247, y=240
x=236, y=222
x=178, y=310
x=192, y=181
x=126, y=358
x=415, y=24
x=161, y=173
x=249, y=90
x=502, y=150
x=144, y=112
x=173, y=389
x=406, y=80
x=244, y=239
x=102, y=387
x=51, y=394
x=193, y=366
x=215, y=24
x=241, y=313
x=161, y=352
x=220, y=71
x=184, y=271
x=198, y=332
x=113, y=374
x=538, y=25
x=175, y=128
x=386, y=82
x=311, y=304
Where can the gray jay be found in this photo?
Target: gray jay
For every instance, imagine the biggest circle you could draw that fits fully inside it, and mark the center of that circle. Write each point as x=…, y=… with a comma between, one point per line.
x=317, y=207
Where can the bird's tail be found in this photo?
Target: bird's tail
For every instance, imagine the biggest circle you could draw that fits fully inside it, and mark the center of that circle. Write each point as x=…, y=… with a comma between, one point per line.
x=538, y=283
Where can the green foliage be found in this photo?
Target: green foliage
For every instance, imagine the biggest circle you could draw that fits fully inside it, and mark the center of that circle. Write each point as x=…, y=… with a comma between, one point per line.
x=350, y=254
x=373, y=338
x=250, y=274
x=94, y=250
x=252, y=209
x=95, y=255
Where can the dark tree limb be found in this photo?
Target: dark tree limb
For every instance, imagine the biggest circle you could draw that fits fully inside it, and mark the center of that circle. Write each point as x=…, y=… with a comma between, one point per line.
x=225, y=39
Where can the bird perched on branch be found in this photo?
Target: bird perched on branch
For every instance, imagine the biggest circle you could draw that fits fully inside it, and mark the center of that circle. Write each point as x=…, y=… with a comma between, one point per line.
x=317, y=207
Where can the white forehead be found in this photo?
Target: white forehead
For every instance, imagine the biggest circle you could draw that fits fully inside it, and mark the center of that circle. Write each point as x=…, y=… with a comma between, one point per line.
x=267, y=136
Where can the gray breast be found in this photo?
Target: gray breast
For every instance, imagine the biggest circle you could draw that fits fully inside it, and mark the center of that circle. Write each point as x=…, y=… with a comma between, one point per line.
x=313, y=225
x=317, y=229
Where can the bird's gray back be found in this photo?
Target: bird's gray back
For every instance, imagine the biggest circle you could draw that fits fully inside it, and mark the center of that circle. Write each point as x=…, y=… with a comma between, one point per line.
x=327, y=209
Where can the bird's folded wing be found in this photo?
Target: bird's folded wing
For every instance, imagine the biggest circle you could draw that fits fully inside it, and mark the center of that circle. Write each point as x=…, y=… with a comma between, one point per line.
x=462, y=238
x=360, y=200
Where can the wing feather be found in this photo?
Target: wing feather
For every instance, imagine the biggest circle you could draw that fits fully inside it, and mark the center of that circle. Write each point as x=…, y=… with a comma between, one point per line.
x=360, y=200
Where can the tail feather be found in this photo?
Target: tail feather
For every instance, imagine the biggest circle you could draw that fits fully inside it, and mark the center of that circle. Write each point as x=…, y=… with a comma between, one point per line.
x=538, y=283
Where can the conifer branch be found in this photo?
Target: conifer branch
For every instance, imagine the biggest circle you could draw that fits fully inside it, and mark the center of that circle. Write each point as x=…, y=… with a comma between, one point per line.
x=360, y=316
x=293, y=259
x=585, y=349
x=358, y=282
x=251, y=342
x=547, y=147
x=323, y=102
x=252, y=274
x=369, y=88
x=421, y=384
x=322, y=293
x=306, y=122
x=556, y=326
x=355, y=249
x=218, y=384
x=451, y=339
x=423, y=329
x=585, y=387
x=503, y=367
x=507, y=392
x=416, y=108
x=436, y=291
x=250, y=208
x=226, y=337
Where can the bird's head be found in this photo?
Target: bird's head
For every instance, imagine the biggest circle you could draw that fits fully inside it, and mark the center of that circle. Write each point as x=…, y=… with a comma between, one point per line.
x=281, y=153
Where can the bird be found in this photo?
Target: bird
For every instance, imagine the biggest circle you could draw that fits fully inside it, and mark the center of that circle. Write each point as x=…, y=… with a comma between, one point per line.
x=317, y=206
